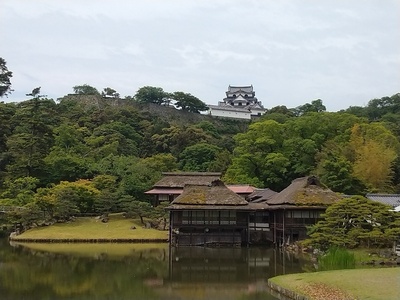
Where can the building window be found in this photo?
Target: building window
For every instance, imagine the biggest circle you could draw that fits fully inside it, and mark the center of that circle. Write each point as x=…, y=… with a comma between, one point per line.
x=211, y=217
x=163, y=197
x=198, y=217
x=228, y=217
x=303, y=214
x=185, y=217
x=259, y=217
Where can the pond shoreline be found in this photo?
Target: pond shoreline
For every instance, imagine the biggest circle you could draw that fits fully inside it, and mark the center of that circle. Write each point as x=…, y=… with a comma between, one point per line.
x=97, y=240
x=285, y=293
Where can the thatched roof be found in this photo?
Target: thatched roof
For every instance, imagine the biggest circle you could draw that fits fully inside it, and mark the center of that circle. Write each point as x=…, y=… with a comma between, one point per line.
x=214, y=194
x=305, y=191
x=179, y=179
x=248, y=207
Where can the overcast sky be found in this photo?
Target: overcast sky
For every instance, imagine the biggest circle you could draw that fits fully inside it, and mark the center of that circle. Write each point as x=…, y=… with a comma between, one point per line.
x=345, y=52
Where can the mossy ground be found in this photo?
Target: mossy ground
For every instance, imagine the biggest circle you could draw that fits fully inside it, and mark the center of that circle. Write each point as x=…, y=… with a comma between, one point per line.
x=89, y=228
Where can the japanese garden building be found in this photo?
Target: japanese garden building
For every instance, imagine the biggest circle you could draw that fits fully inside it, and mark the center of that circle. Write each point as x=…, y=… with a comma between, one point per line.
x=171, y=185
x=205, y=211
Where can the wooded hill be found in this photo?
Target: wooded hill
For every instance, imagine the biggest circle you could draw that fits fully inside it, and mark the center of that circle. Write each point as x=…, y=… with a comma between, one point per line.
x=88, y=153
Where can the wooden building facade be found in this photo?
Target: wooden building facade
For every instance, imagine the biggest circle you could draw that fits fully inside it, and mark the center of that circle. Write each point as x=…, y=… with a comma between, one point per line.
x=171, y=185
x=168, y=188
x=209, y=215
x=204, y=211
x=297, y=207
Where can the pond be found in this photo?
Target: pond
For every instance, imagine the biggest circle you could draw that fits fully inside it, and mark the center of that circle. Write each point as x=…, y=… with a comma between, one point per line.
x=140, y=271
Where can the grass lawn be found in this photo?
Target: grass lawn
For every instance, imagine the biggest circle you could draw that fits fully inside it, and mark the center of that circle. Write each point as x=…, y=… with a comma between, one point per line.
x=360, y=284
x=117, y=227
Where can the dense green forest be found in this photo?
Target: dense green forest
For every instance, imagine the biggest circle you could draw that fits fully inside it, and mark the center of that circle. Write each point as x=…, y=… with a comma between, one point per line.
x=92, y=152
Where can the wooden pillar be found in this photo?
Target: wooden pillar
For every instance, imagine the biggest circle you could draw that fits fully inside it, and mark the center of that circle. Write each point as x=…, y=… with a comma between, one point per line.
x=283, y=228
x=170, y=227
x=248, y=229
x=274, y=233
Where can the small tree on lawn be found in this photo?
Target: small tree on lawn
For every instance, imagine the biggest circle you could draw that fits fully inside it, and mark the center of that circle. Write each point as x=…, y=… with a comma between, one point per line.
x=354, y=222
x=137, y=209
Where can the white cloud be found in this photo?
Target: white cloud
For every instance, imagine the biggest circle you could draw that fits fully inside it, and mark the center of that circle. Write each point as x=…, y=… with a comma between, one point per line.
x=344, y=52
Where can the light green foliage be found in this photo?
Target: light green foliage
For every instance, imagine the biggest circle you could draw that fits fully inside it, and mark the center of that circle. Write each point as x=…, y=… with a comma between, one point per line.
x=257, y=157
x=354, y=222
x=136, y=175
x=334, y=168
x=374, y=150
x=138, y=178
x=273, y=154
x=175, y=139
x=113, y=138
x=87, y=136
x=336, y=259
x=161, y=162
x=19, y=191
x=81, y=194
x=199, y=157
x=209, y=128
x=280, y=109
x=69, y=139
x=67, y=158
x=221, y=162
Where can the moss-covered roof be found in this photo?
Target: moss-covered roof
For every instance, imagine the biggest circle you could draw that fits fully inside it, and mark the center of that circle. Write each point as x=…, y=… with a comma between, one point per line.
x=305, y=191
x=215, y=193
x=180, y=179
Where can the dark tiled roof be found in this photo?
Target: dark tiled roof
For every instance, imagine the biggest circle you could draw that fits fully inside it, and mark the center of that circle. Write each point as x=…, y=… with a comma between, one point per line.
x=165, y=191
x=389, y=199
x=261, y=195
x=179, y=179
x=245, y=88
x=305, y=191
x=209, y=195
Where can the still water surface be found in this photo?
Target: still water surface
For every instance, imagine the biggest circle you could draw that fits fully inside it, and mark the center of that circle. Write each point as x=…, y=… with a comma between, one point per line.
x=140, y=271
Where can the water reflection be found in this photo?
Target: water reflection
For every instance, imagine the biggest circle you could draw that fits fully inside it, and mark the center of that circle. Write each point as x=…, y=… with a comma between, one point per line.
x=130, y=271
